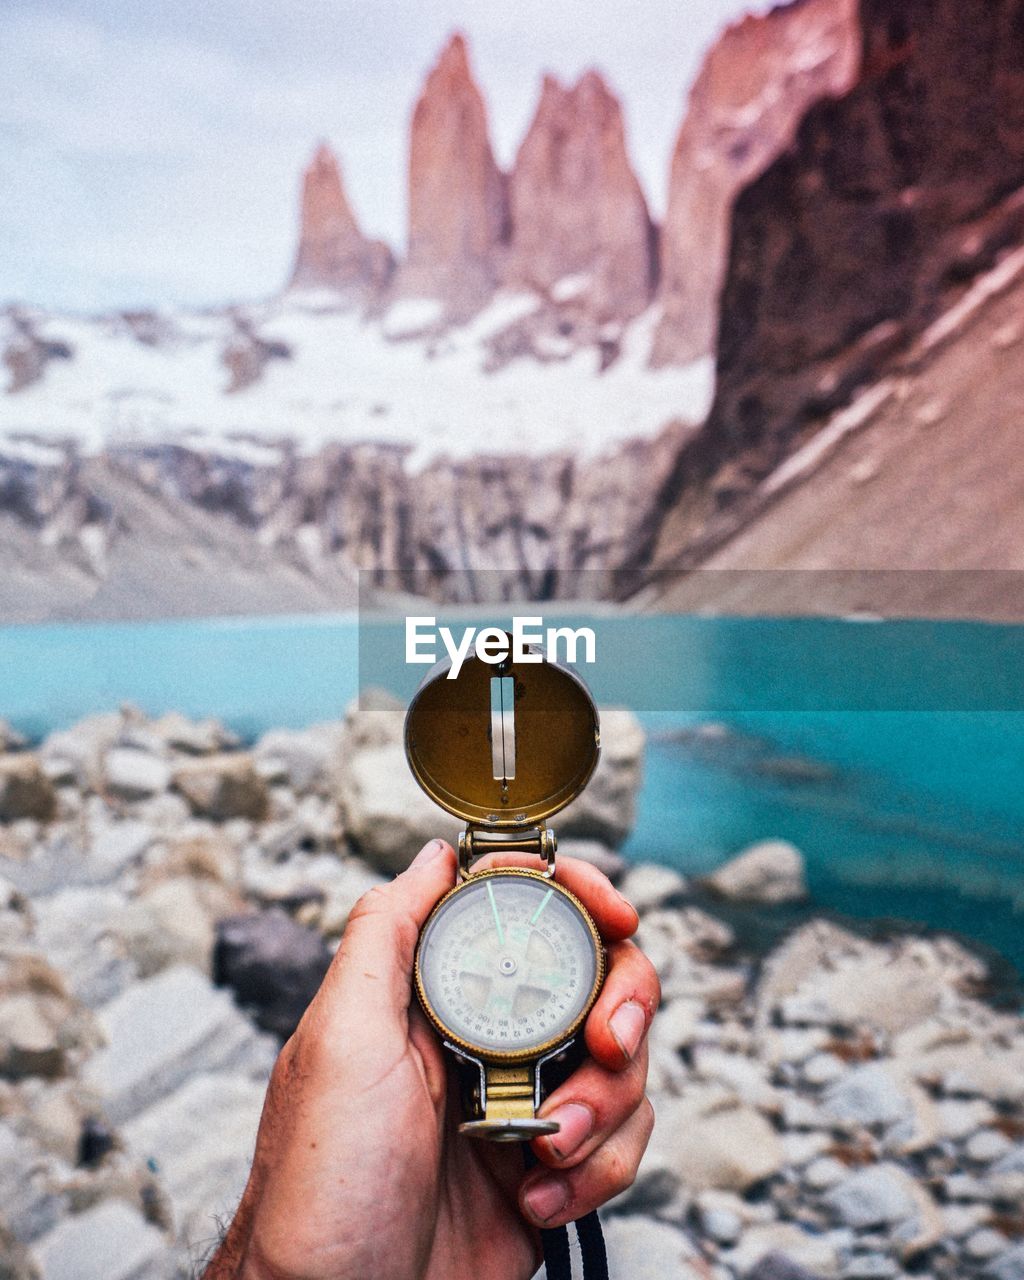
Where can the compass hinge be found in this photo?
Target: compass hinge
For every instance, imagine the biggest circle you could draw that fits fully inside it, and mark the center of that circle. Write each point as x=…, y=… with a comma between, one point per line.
x=476, y=842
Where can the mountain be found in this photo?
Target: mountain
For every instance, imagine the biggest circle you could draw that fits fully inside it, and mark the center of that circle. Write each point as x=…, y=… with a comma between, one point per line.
x=578, y=215
x=458, y=205
x=871, y=230
x=753, y=87
x=333, y=253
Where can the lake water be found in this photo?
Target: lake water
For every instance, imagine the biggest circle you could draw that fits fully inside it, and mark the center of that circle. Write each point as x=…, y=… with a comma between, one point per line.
x=890, y=753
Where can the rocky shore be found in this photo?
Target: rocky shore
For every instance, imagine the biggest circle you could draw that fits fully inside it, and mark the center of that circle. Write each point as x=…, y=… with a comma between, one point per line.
x=169, y=898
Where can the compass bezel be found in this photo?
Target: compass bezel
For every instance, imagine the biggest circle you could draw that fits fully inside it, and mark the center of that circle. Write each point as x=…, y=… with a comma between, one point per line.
x=534, y=1051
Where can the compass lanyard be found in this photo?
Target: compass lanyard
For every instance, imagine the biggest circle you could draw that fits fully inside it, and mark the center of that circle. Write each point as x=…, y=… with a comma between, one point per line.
x=557, y=1259
x=555, y=1243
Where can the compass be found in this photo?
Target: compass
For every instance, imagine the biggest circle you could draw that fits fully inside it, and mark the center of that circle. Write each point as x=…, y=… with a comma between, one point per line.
x=509, y=962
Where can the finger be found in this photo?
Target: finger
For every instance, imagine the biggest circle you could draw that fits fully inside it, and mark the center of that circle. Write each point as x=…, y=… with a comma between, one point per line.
x=549, y=1199
x=373, y=965
x=621, y=1016
x=612, y=913
x=589, y=1107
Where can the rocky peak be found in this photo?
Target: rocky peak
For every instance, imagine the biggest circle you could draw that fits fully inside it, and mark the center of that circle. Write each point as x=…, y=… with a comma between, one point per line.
x=458, y=212
x=576, y=205
x=753, y=88
x=333, y=252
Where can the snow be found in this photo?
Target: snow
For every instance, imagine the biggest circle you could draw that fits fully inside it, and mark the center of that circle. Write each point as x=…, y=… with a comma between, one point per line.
x=347, y=381
x=411, y=316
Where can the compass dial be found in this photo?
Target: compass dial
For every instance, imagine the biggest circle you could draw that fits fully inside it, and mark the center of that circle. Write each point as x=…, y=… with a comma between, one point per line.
x=508, y=963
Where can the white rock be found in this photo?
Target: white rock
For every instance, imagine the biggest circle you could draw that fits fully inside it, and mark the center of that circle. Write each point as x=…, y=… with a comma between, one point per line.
x=607, y=861
x=648, y=885
x=386, y=814
x=731, y=1148
x=986, y=1146
x=200, y=1140
x=815, y=1253
x=1007, y=1266
x=823, y=1068
x=305, y=755
x=76, y=928
x=825, y=1172
x=770, y=871
x=985, y=1244
x=606, y=810
x=868, y=1095
x=958, y=1119
x=161, y=1031
x=799, y=1148
x=877, y=1196
x=111, y=1241
x=131, y=774
x=644, y=1249
x=31, y=1197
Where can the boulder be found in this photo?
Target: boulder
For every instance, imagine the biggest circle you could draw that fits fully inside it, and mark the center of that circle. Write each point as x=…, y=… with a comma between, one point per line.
x=76, y=754
x=172, y=922
x=25, y=789
x=878, y=1196
x=77, y=929
x=193, y=737
x=606, y=810
x=804, y=1253
x=162, y=1031
x=223, y=786
x=273, y=966
x=868, y=1095
x=648, y=885
x=31, y=1197
x=302, y=756
x=387, y=817
x=200, y=1141
x=770, y=871
x=132, y=774
x=111, y=1241
x=644, y=1249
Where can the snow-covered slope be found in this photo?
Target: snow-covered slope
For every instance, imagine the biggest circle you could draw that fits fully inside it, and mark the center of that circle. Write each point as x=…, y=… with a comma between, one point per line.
x=517, y=378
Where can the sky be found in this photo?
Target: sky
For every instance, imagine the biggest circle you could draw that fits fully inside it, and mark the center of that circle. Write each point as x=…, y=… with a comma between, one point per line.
x=152, y=151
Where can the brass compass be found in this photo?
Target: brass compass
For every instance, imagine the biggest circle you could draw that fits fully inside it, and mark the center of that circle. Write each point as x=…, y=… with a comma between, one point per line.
x=509, y=962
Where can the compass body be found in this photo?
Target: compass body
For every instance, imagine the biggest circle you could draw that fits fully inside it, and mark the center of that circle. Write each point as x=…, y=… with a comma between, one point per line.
x=508, y=965
x=509, y=962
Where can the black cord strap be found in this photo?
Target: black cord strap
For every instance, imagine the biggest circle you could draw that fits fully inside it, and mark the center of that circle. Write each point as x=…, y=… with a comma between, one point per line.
x=555, y=1243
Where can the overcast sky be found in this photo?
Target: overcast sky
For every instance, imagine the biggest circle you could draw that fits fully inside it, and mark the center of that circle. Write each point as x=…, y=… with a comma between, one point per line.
x=151, y=152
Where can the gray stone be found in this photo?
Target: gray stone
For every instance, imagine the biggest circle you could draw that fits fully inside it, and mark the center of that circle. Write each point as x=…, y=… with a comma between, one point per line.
x=722, y=1225
x=777, y=1266
x=648, y=885
x=200, y=1141
x=194, y=737
x=607, y=861
x=131, y=774
x=1007, y=1266
x=1012, y=1161
x=879, y=1195
x=823, y=1068
x=273, y=966
x=386, y=815
x=161, y=1031
x=644, y=1249
x=824, y=1172
x=871, y=1266
x=31, y=1198
x=606, y=810
x=25, y=789
x=76, y=929
x=987, y=1145
x=770, y=871
x=985, y=1244
x=867, y=1095
x=223, y=787
x=303, y=756
x=111, y=1241
x=77, y=753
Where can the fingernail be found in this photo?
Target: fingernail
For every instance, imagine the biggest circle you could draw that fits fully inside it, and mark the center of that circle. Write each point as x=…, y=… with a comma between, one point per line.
x=627, y=1027
x=545, y=1198
x=428, y=854
x=575, y=1125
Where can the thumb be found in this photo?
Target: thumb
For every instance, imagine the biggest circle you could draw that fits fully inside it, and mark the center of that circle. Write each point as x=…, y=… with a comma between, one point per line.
x=375, y=959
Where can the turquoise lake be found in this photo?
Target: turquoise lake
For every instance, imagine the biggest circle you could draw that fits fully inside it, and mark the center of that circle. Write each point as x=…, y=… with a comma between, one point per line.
x=891, y=753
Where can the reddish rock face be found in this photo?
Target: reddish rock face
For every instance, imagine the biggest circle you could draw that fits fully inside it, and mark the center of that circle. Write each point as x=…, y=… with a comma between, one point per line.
x=458, y=213
x=754, y=87
x=333, y=252
x=576, y=205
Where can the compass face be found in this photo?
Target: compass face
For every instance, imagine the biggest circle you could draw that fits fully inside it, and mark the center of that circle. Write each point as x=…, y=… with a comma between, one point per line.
x=509, y=964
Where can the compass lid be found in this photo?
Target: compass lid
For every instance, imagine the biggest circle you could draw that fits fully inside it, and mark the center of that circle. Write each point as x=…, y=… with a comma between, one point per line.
x=502, y=745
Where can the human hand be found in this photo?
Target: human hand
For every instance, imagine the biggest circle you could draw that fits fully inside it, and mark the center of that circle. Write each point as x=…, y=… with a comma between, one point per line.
x=359, y=1171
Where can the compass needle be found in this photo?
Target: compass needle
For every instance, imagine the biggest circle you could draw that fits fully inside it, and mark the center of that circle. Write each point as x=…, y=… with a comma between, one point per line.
x=497, y=917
